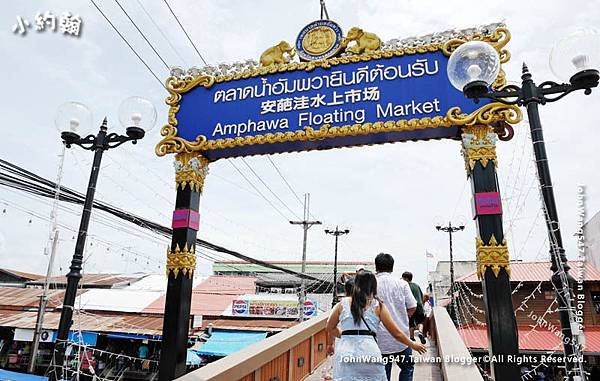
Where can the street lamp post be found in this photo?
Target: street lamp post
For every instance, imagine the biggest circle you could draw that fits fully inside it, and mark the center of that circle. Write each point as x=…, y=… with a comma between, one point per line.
x=471, y=69
x=98, y=143
x=336, y=233
x=451, y=229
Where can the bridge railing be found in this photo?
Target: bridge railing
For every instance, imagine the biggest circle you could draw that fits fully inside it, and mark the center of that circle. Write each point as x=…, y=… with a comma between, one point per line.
x=289, y=355
x=454, y=354
x=296, y=352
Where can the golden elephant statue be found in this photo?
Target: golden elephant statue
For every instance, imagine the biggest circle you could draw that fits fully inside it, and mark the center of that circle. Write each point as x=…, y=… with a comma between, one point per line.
x=365, y=41
x=277, y=55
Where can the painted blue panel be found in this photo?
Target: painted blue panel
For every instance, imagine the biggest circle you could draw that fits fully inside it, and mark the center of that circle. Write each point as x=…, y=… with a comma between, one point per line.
x=7, y=375
x=86, y=338
x=388, y=89
x=117, y=335
x=223, y=343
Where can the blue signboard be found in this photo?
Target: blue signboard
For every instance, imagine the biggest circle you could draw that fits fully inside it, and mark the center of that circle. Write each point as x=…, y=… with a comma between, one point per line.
x=405, y=97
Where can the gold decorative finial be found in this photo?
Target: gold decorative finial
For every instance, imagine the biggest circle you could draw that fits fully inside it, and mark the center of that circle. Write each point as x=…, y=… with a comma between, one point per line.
x=479, y=144
x=191, y=169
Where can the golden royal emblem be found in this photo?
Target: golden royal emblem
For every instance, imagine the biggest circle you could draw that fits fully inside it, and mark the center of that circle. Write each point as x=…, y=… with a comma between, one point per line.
x=318, y=40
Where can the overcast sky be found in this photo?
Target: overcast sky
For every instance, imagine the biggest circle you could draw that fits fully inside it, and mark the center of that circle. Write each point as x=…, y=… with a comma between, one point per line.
x=390, y=196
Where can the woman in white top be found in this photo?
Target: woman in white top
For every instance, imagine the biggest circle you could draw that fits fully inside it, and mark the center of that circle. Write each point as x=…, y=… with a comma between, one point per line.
x=357, y=356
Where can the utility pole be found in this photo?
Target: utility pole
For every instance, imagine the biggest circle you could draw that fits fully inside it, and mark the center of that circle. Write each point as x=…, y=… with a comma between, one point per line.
x=306, y=224
x=53, y=244
x=335, y=233
x=451, y=229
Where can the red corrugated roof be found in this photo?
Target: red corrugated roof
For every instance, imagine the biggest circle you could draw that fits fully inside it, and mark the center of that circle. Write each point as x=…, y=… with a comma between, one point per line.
x=22, y=274
x=129, y=323
x=213, y=295
x=98, y=280
x=20, y=298
x=542, y=339
x=149, y=325
x=540, y=271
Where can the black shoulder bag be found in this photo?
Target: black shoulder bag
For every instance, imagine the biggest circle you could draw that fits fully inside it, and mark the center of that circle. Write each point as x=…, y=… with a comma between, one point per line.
x=369, y=329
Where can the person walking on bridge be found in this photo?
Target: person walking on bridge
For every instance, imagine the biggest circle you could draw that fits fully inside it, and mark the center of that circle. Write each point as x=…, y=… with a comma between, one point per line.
x=395, y=293
x=357, y=356
x=418, y=317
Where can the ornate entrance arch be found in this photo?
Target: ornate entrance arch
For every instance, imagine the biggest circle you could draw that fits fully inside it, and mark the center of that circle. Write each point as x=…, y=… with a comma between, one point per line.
x=357, y=91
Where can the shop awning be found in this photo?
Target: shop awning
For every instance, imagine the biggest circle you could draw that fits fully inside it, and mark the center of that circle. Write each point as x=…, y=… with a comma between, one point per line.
x=223, y=343
x=131, y=336
x=541, y=339
x=6, y=375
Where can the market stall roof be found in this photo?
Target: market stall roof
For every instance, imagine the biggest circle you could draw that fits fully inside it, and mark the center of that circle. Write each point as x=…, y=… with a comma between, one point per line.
x=224, y=343
x=542, y=339
x=20, y=274
x=23, y=298
x=123, y=323
x=311, y=267
x=91, y=280
x=212, y=296
x=539, y=272
x=124, y=300
x=134, y=325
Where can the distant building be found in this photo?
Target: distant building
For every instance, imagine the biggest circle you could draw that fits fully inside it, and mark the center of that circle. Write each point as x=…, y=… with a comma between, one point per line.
x=591, y=232
x=275, y=281
x=439, y=280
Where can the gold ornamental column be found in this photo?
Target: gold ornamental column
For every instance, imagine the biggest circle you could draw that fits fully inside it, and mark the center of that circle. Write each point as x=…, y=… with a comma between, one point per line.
x=493, y=266
x=190, y=172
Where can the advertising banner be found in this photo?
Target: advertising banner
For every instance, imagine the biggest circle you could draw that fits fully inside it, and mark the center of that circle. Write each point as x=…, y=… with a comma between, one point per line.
x=272, y=308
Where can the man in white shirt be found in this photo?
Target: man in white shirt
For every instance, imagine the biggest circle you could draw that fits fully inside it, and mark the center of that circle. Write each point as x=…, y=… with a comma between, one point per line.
x=395, y=293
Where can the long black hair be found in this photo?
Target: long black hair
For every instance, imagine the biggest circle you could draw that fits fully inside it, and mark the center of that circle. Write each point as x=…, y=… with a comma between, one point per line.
x=365, y=286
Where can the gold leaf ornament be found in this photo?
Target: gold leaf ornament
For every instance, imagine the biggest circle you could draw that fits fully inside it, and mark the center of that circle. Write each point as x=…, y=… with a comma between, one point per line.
x=494, y=256
x=181, y=261
x=488, y=114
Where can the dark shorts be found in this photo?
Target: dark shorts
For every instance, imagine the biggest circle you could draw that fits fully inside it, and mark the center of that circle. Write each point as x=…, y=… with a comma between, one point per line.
x=417, y=318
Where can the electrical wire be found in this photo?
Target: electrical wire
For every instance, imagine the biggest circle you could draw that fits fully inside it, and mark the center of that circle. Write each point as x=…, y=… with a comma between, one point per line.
x=128, y=44
x=184, y=31
x=71, y=196
x=161, y=32
x=258, y=190
x=285, y=181
x=269, y=188
x=143, y=35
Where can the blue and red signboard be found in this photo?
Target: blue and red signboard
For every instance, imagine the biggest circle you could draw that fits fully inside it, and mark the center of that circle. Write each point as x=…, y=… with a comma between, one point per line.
x=405, y=97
